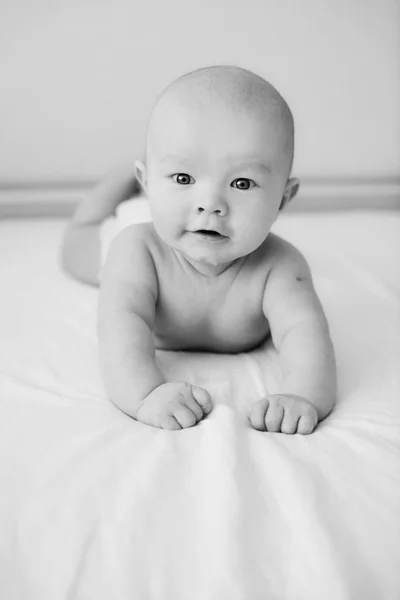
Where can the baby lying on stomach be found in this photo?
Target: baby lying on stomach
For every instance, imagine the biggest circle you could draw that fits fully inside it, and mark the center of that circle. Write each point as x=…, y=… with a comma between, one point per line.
x=206, y=274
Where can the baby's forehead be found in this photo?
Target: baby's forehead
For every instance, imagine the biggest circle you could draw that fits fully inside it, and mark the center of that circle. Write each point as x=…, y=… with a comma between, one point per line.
x=189, y=103
x=177, y=118
x=216, y=128
x=212, y=101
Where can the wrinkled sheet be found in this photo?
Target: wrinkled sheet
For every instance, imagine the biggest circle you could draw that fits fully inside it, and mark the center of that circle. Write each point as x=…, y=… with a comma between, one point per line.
x=94, y=505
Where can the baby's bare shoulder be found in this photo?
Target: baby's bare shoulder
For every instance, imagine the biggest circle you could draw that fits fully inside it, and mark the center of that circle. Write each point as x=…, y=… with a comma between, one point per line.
x=280, y=250
x=129, y=281
x=278, y=255
x=135, y=242
x=138, y=234
x=131, y=254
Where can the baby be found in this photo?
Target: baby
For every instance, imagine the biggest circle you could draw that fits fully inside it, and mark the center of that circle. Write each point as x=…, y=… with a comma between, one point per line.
x=207, y=274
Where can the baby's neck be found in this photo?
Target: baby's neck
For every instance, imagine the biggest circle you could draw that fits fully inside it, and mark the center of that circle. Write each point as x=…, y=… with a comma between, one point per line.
x=207, y=269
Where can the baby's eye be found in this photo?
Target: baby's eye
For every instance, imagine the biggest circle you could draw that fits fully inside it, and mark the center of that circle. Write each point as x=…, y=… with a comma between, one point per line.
x=182, y=178
x=242, y=183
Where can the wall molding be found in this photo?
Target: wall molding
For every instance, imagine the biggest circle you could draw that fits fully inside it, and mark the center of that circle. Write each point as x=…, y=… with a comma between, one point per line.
x=58, y=199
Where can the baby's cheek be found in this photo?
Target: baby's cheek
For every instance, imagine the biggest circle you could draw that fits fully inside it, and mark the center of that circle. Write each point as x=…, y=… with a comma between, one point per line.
x=252, y=234
x=255, y=219
x=161, y=209
x=167, y=225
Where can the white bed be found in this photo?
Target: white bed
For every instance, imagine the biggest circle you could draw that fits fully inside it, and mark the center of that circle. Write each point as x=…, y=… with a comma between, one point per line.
x=97, y=506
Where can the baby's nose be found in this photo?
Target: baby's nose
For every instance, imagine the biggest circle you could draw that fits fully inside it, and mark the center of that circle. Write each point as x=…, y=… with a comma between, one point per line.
x=212, y=205
x=201, y=209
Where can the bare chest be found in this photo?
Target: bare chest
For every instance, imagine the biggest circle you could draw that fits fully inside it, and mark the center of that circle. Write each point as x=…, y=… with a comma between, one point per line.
x=216, y=317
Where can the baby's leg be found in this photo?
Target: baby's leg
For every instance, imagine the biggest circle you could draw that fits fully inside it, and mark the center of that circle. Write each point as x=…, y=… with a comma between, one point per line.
x=81, y=251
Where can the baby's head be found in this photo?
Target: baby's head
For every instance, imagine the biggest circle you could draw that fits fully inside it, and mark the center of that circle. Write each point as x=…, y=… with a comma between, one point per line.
x=219, y=153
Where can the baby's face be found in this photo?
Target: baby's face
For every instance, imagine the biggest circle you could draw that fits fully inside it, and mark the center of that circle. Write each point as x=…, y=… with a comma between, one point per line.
x=215, y=181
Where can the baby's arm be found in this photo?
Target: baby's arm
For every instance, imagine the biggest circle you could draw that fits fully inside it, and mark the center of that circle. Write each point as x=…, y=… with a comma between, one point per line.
x=126, y=316
x=301, y=336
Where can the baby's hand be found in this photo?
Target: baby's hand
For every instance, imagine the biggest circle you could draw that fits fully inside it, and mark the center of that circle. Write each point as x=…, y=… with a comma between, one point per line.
x=175, y=406
x=284, y=413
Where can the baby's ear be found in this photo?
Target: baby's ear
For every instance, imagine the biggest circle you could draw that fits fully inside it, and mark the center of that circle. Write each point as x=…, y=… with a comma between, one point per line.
x=141, y=174
x=291, y=189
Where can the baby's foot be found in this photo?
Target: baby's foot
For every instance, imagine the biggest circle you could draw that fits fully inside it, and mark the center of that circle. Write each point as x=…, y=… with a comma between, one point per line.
x=101, y=202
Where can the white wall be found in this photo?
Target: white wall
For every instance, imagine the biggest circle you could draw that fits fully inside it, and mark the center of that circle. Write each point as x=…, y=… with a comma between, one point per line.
x=78, y=78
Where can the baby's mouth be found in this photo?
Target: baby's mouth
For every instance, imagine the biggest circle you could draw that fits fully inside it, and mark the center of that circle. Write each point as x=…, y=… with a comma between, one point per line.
x=210, y=233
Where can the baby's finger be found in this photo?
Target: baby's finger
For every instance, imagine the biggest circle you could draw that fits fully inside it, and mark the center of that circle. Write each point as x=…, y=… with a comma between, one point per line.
x=169, y=422
x=184, y=416
x=257, y=414
x=192, y=405
x=273, y=418
x=203, y=398
x=289, y=422
x=306, y=425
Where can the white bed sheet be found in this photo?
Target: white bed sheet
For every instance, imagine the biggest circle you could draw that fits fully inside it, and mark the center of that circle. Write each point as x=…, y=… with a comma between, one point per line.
x=94, y=505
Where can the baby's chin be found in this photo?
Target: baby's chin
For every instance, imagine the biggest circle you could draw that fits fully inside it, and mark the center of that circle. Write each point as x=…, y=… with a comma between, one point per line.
x=210, y=254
